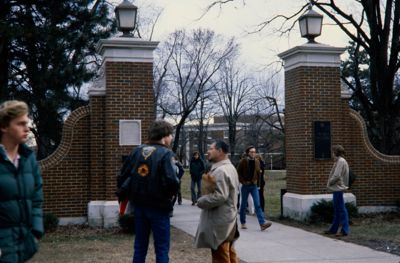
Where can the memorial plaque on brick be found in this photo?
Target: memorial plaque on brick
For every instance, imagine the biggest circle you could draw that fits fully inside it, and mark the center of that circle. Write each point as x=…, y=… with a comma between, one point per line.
x=322, y=140
x=130, y=132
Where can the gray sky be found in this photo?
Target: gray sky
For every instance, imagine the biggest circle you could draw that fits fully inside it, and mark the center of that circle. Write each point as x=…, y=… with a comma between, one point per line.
x=237, y=19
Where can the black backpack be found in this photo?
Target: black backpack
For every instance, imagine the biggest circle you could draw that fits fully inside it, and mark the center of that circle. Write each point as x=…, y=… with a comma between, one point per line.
x=352, y=177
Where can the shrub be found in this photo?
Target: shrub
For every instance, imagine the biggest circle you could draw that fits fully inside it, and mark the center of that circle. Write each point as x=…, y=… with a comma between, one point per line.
x=322, y=211
x=127, y=223
x=397, y=204
x=50, y=222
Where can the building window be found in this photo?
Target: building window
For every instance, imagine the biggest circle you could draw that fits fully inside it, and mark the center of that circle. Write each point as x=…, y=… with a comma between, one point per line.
x=226, y=134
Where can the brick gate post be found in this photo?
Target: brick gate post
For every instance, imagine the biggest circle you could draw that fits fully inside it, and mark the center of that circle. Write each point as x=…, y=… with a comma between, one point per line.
x=122, y=109
x=313, y=123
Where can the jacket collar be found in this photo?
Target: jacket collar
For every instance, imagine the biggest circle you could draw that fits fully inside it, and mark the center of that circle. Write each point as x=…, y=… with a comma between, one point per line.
x=23, y=150
x=220, y=163
x=156, y=143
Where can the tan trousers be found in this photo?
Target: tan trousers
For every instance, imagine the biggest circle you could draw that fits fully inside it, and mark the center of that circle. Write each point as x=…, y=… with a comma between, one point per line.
x=225, y=253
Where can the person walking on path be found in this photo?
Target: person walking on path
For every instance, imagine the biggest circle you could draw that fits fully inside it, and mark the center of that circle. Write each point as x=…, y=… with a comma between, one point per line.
x=217, y=228
x=261, y=182
x=337, y=183
x=179, y=173
x=21, y=195
x=148, y=178
x=197, y=168
x=249, y=171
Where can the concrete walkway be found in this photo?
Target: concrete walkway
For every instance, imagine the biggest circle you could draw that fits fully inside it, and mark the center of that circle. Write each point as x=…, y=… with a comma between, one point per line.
x=284, y=244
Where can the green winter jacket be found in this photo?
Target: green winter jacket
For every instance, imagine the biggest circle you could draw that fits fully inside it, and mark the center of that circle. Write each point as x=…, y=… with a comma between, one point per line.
x=21, y=198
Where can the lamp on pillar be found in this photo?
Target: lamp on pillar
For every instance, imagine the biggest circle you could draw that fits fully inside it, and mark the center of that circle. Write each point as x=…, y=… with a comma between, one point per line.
x=126, y=17
x=310, y=24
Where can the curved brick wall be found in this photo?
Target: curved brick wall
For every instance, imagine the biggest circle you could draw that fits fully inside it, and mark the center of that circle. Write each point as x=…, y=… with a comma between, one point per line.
x=378, y=175
x=66, y=171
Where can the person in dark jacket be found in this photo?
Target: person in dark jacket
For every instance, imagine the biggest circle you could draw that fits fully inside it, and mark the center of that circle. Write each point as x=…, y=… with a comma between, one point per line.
x=148, y=178
x=179, y=173
x=261, y=182
x=249, y=172
x=21, y=196
x=197, y=168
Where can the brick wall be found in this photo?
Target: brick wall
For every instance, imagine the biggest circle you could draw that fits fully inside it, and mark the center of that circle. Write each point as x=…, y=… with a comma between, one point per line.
x=65, y=172
x=314, y=94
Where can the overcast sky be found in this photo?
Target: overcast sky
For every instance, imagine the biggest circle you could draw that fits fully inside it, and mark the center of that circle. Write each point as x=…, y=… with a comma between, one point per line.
x=237, y=19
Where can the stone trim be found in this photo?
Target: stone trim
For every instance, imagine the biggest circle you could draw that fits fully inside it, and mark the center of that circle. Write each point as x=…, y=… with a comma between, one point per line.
x=311, y=55
x=392, y=159
x=123, y=49
x=66, y=139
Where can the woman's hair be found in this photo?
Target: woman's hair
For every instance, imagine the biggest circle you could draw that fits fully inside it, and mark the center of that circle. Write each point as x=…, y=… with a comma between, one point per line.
x=258, y=156
x=338, y=150
x=196, y=152
x=159, y=129
x=10, y=110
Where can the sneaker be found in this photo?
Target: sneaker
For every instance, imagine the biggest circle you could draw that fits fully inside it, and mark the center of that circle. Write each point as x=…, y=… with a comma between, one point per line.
x=179, y=202
x=193, y=203
x=243, y=226
x=265, y=226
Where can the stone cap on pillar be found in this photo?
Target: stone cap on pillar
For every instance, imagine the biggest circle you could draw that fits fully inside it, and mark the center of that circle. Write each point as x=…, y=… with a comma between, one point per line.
x=311, y=55
x=126, y=49
x=120, y=49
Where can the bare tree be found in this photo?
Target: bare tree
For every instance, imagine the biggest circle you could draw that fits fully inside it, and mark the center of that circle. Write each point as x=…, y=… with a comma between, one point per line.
x=204, y=112
x=376, y=30
x=147, y=20
x=234, y=97
x=269, y=101
x=195, y=59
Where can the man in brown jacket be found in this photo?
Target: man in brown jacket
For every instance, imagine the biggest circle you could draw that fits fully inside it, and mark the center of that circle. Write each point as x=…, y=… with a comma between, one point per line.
x=249, y=172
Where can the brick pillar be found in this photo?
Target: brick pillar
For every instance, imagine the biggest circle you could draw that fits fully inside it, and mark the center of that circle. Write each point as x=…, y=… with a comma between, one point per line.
x=312, y=94
x=124, y=93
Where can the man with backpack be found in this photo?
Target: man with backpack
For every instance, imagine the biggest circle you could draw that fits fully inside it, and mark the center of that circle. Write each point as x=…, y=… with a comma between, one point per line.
x=148, y=179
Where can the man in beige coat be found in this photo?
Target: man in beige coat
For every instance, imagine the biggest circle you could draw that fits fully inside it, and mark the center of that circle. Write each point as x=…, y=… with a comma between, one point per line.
x=218, y=227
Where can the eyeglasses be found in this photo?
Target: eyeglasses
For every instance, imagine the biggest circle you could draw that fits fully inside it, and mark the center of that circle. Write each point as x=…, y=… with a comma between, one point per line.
x=252, y=151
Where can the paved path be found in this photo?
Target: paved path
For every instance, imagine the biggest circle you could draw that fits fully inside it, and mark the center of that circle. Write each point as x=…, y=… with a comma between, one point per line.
x=285, y=244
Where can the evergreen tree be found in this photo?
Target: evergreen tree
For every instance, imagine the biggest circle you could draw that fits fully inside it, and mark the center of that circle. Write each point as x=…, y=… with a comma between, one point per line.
x=47, y=53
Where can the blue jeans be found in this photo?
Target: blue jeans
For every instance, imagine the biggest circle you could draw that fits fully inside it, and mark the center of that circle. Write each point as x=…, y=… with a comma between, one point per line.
x=193, y=189
x=149, y=219
x=246, y=190
x=340, y=215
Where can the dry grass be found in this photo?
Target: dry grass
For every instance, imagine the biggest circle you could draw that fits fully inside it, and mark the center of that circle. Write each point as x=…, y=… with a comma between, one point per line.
x=89, y=245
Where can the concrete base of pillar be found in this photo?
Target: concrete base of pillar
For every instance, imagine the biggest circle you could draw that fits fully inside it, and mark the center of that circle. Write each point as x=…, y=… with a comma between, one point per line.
x=298, y=206
x=103, y=213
